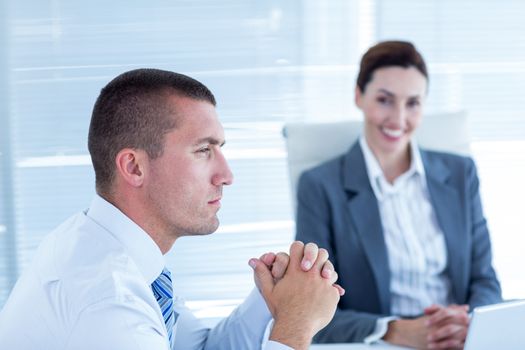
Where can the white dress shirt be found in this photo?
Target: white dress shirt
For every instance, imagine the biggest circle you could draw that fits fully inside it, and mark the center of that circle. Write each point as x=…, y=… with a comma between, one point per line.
x=89, y=288
x=415, y=244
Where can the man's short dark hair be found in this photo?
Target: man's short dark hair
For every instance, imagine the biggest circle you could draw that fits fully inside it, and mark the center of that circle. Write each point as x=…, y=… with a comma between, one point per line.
x=388, y=54
x=133, y=111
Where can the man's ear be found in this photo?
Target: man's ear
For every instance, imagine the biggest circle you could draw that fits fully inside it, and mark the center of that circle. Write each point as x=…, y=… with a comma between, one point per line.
x=358, y=97
x=131, y=165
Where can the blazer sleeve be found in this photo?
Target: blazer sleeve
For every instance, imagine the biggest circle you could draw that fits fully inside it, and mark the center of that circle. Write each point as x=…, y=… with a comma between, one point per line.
x=314, y=224
x=484, y=287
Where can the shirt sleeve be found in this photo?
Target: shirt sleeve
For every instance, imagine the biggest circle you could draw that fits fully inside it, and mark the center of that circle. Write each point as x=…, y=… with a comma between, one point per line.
x=243, y=329
x=380, y=330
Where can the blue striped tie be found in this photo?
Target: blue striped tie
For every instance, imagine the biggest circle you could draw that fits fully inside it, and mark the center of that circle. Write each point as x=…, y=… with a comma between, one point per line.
x=163, y=292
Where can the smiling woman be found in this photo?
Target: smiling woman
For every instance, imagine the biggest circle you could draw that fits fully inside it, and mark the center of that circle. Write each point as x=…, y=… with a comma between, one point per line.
x=404, y=225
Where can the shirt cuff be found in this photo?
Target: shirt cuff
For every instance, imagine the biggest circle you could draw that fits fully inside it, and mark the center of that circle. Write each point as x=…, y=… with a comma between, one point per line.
x=273, y=345
x=268, y=344
x=380, y=330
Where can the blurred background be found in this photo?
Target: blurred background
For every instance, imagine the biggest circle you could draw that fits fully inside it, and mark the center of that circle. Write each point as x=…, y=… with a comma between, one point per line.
x=268, y=63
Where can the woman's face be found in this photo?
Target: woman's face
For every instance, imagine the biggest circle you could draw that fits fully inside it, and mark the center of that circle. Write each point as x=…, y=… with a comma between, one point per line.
x=393, y=106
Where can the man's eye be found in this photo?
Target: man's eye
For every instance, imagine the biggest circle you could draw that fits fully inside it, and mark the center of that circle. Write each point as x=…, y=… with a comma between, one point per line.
x=383, y=100
x=204, y=150
x=413, y=103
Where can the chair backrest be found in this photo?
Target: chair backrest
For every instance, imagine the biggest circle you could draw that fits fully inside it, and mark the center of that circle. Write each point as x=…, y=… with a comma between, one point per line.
x=309, y=144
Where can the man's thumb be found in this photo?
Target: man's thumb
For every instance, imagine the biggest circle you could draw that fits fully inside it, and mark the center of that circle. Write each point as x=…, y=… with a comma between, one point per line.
x=262, y=276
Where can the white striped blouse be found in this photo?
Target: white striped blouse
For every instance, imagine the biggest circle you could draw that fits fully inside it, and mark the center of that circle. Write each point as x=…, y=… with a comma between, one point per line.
x=417, y=254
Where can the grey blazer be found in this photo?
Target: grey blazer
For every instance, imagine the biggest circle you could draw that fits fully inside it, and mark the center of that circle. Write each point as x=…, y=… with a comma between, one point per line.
x=337, y=209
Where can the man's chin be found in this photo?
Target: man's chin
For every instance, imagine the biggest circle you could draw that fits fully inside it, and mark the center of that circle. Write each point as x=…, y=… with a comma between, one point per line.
x=204, y=229
x=213, y=227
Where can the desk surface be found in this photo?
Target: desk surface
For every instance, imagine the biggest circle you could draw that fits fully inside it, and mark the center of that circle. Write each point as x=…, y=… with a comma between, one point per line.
x=355, y=346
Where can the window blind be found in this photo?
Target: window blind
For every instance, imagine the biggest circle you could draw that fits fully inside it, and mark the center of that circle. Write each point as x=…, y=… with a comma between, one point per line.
x=268, y=63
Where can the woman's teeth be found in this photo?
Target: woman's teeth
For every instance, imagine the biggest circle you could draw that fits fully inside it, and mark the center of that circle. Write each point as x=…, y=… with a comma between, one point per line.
x=392, y=132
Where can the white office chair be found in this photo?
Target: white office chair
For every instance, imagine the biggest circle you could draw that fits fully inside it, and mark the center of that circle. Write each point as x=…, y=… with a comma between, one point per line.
x=309, y=144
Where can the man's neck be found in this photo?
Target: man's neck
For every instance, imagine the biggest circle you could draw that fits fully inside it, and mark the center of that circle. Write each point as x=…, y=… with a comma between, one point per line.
x=140, y=215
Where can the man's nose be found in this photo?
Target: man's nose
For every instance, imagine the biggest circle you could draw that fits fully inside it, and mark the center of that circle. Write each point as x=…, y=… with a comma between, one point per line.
x=223, y=175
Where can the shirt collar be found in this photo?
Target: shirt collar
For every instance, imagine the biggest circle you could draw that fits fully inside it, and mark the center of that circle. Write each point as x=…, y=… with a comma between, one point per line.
x=139, y=245
x=375, y=173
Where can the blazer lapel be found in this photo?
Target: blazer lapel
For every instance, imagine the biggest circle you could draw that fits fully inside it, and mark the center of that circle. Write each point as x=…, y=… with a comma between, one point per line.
x=364, y=212
x=446, y=203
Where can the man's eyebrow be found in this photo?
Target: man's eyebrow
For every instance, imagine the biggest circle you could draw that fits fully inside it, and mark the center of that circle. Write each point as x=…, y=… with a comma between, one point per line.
x=385, y=91
x=210, y=140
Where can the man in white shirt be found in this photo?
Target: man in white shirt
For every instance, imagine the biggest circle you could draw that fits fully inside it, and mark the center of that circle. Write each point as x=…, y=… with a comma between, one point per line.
x=99, y=280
